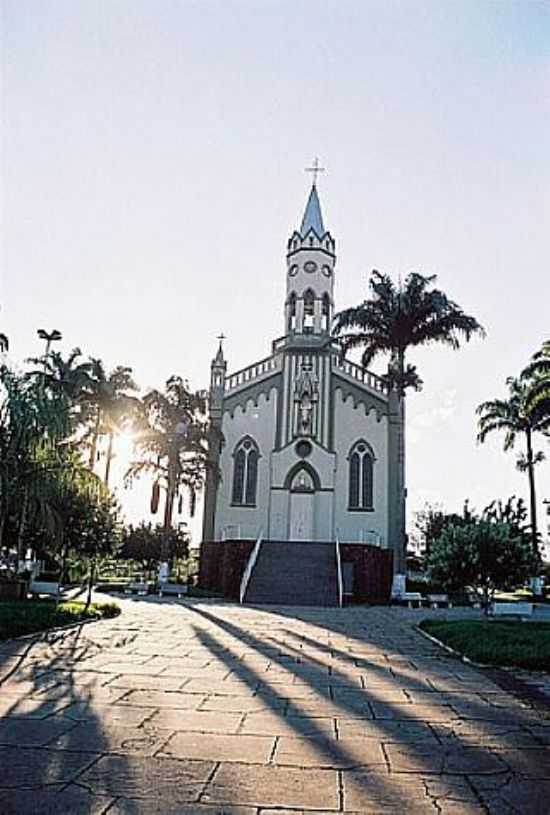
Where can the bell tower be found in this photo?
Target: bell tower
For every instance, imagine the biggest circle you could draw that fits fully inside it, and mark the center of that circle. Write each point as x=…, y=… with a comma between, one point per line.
x=310, y=259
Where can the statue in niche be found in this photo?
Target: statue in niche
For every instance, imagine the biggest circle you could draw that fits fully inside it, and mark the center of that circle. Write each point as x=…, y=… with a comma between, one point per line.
x=306, y=393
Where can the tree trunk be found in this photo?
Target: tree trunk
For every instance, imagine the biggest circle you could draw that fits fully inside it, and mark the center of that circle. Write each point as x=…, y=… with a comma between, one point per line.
x=532, y=493
x=402, y=555
x=168, y=510
x=109, y=459
x=90, y=584
x=95, y=438
x=22, y=527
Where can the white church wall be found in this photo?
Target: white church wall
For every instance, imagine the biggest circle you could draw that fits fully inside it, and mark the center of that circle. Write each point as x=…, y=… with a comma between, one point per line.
x=258, y=422
x=350, y=425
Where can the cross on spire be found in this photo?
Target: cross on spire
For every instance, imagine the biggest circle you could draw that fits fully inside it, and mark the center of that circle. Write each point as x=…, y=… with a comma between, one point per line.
x=221, y=338
x=315, y=169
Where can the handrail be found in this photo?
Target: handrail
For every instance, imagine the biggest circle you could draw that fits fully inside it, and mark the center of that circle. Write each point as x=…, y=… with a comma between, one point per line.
x=339, y=573
x=249, y=566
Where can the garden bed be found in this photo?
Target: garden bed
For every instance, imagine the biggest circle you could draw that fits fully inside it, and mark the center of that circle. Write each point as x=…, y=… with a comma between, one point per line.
x=33, y=616
x=495, y=642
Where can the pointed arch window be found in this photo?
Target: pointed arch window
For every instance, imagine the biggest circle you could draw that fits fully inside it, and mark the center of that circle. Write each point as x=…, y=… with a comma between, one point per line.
x=309, y=309
x=292, y=312
x=361, y=477
x=325, y=310
x=245, y=473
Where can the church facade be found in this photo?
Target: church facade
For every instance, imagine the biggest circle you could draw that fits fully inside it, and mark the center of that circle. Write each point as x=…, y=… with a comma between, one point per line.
x=310, y=440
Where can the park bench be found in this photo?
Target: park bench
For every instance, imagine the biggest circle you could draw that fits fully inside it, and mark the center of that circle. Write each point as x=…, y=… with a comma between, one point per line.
x=38, y=587
x=136, y=588
x=173, y=588
x=409, y=598
x=438, y=600
x=512, y=610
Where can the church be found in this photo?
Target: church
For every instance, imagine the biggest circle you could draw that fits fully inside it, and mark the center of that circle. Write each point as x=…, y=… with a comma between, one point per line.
x=302, y=500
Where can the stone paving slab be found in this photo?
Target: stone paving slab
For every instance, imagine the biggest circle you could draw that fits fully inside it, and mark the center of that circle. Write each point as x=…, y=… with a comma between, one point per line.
x=274, y=786
x=271, y=709
x=206, y=746
x=319, y=752
x=372, y=793
x=64, y=801
x=22, y=732
x=110, y=739
x=32, y=768
x=166, y=780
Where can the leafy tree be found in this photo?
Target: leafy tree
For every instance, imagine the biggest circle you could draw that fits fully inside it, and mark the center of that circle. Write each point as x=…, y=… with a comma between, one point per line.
x=394, y=319
x=4, y=343
x=485, y=555
x=515, y=416
x=431, y=521
x=144, y=544
x=173, y=443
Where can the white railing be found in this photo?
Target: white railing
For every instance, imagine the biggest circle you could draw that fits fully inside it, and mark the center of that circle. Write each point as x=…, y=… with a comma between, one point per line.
x=365, y=536
x=359, y=373
x=339, y=574
x=246, y=375
x=249, y=567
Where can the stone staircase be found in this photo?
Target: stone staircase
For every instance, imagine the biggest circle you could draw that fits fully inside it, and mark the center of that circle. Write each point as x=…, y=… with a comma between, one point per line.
x=294, y=573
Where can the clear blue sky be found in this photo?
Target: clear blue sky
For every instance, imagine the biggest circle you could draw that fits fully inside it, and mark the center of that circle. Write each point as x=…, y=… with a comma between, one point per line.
x=153, y=158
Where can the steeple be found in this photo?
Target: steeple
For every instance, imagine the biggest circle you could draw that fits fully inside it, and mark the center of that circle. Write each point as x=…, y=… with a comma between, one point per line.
x=313, y=218
x=309, y=304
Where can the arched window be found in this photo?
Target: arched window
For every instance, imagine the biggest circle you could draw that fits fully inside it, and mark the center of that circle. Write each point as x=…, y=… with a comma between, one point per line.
x=292, y=312
x=325, y=310
x=309, y=309
x=361, y=476
x=245, y=473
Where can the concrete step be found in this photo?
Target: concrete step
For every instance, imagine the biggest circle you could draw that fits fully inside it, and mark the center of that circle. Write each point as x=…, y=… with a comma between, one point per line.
x=294, y=573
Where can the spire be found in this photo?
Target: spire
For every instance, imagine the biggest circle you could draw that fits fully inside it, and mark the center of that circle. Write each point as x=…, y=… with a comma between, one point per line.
x=312, y=216
x=219, y=358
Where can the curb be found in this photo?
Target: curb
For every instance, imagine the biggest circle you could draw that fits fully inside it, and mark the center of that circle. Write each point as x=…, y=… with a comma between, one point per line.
x=452, y=651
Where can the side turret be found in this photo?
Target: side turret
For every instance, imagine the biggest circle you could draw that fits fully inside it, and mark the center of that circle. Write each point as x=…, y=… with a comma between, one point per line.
x=218, y=372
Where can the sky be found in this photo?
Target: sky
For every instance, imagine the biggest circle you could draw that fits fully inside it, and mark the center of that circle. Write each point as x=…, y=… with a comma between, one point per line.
x=153, y=157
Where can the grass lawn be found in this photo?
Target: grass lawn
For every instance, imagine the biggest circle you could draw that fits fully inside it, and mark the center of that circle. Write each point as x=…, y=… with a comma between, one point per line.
x=501, y=642
x=31, y=616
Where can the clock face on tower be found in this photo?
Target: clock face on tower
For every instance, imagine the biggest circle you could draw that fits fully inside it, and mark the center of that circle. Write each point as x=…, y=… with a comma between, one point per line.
x=310, y=266
x=327, y=271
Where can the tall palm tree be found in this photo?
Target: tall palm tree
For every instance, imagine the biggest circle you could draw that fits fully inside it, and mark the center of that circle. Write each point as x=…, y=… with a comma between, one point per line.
x=393, y=319
x=109, y=407
x=173, y=443
x=516, y=417
x=64, y=379
x=49, y=337
x=537, y=372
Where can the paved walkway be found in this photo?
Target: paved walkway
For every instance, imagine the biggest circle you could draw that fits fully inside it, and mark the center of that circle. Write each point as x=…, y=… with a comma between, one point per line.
x=205, y=707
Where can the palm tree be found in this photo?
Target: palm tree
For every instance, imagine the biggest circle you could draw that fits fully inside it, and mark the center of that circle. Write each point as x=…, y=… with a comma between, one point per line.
x=392, y=320
x=110, y=407
x=516, y=416
x=538, y=373
x=64, y=379
x=173, y=443
x=49, y=337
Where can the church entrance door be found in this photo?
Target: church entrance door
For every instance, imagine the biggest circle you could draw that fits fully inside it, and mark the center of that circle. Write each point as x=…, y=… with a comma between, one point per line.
x=302, y=505
x=301, y=516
